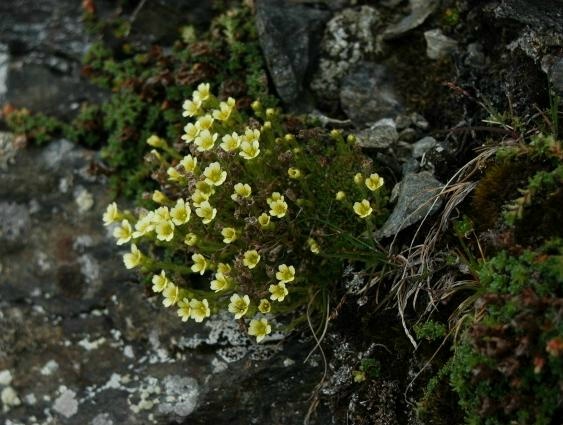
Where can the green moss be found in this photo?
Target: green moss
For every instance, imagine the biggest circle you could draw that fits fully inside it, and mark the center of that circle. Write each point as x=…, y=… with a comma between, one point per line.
x=37, y=128
x=508, y=365
x=430, y=330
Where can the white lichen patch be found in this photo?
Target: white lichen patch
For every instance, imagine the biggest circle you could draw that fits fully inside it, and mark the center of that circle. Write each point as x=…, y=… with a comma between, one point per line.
x=50, y=367
x=91, y=345
x=66, y=404
x=84, y=199
x=5, y=377
x=181, y=396
x=103, y=419
x=9, y=398
x=348, y=39
x=128, y=352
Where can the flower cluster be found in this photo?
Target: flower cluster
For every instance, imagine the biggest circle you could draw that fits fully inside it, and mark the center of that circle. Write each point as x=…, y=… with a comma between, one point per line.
x=248, y=208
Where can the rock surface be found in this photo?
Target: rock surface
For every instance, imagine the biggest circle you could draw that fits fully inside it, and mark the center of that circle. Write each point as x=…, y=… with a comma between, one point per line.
x=438, y=45
x=420, y=10
x=80, y=343
x=349, y=38
x=289, y=34
x=417, y=199
x=41, y=58
x=368, y=94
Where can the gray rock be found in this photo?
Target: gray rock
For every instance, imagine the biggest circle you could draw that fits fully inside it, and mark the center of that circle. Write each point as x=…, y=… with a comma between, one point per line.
x=159, y=20
x=419, y=121
x=349, y=38
x=407, y=135
x=555, y=75
x=368, y=94
x=475, y=56
x=420, y=10
x=423, y=146
x=41, y=67
x=403, y=121
x=438, y=45
x=288, y=35
x=416, y=200
x=381, y=135
x=4, y=62
x=538, y=14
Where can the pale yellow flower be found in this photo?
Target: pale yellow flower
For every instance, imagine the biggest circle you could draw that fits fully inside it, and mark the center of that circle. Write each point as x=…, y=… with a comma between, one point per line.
x=224, y=112
x=374, y=182
x=160, y=282
x=313, y=246
x=251, y=258
x=359, y=376
x=144, y=225
x=123, y=233
x=200, y=263
x=223, y=268
x=220, y=283
x=335, y=133
x=249, y=150
x=239, y=305
x=278, y=208
x=340, y=195
x=156, y=142
x=200, y=310
x=189, y=163
x=174, y=175
x=191, y=131
x=285, y=273
x=184, y=310
x=251, y=135
x=278, y=292
x=264, y=306
x=275, y=196
x=270, y=113
x=214, y=175
x=180, y=213
x=241, y=191
x=259, y=328
x=229, y=234
x=358, y=178
x=230, y=142
x=256, y=106
x=190, y=239
x=199, y=197
x=205, y=188
x=170, y=294
x=191, y=108
x=264, y=220
x=133, y=259
x=205, y=140
x=203, y=91
x=363, y=209
x=294, y=173
x=164, y=230
x=161, y=214
x=206, y=212
x=205, y=122
x=159, y=197
x=111, y=215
